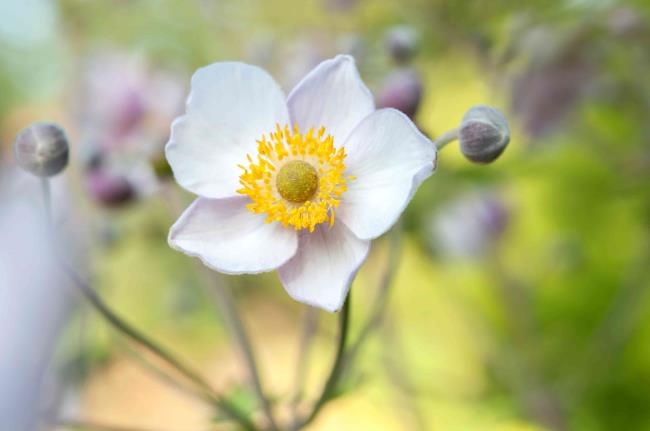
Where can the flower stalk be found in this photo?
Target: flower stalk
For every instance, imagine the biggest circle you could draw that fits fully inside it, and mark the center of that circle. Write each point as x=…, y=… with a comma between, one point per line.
x=446, y=138
x=310, y=326
x=207, y=392
x=139, y=338
x=381, y=300
x=228, y=308
x=337, y=367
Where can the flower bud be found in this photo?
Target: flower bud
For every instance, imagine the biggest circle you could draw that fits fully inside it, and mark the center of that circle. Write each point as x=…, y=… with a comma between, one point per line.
x=109, y=189
x=483, y=134
x=401, y=43
x=470, y=225
x=402, y=91
x=42, y=149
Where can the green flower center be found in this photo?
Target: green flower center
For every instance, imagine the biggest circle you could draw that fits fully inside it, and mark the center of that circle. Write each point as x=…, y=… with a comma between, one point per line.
x=297, y=181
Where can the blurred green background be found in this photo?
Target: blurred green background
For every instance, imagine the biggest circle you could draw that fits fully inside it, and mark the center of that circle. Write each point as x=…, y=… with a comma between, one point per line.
x=520, y=301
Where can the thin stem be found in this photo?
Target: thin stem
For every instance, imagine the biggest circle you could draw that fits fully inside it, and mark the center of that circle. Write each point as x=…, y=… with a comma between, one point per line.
x=228, y=309
x=136, y=336
x=344, y=358
x=337, y=367
x=381, y=300
x=446, y=138
x=234, y=322
x=47, y=201
x=159, y=373
x=310, y=327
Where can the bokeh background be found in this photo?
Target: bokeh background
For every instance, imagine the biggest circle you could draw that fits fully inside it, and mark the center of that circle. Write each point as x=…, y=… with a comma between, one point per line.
x=520, y=300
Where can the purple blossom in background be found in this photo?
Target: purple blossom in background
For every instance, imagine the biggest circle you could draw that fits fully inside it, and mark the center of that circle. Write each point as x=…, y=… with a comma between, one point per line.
x=469, y=226
x=125, y=108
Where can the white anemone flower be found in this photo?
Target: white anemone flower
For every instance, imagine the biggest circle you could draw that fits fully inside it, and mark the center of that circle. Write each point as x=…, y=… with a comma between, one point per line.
x=299, y=184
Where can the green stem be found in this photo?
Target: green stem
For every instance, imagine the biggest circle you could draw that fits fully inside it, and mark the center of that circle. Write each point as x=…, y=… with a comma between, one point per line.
x=229, y=311
x=381, y=299
x=136, y=336
x=47, y=201
x=337, y=367
x=446, y=138
x=310, y=326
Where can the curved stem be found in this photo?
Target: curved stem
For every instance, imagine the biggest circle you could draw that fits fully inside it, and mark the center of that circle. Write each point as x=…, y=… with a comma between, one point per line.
x=337, y=367
x=136, y=336
x=161, y=374
x=449, y=136
x=47, y=201
x=310, y=326
x=381, y=300
x=228, y=309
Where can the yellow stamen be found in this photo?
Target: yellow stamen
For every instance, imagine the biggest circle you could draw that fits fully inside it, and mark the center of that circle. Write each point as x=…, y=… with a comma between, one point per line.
x=297, y=178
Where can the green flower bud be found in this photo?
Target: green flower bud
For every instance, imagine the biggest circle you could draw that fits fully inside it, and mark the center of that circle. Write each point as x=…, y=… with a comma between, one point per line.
x=42, y=149
x=483, y=134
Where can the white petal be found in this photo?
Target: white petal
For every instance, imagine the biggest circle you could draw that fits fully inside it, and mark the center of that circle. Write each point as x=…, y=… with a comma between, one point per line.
x=331, y=96
x=229, y=238
x=389, y=158
x=231, y=105
x=322, y=270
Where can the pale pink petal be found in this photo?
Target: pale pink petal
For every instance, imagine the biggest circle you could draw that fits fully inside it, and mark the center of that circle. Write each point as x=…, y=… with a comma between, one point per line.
x=389, y=157
x=229, y=238
x=231, y=105
x=331, y=96
x=322, y=270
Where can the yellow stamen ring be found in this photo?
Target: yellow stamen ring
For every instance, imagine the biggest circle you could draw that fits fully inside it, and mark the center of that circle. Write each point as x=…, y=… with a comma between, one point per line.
x=296, y=179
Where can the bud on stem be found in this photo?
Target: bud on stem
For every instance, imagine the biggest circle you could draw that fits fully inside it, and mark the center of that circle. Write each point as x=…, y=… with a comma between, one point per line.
x=483, y=134
x=42, y=149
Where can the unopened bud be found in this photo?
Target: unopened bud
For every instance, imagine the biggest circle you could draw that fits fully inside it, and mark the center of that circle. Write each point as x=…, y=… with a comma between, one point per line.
x=109, y=189
x=401, y=43
x=483, y=134
x=42, y=149
x=402, y=91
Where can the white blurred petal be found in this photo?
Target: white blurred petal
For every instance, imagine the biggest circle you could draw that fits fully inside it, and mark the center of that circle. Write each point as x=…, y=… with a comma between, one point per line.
x=389, y=157
x=322, y=270
x=331, y=96
x=231, y=105
x=229, y=238
x=33, y=302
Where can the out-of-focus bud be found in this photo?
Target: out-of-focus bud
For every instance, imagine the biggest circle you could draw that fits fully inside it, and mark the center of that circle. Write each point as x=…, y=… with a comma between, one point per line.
x=402, y=91
x=42, y=149
x=470, y=225
x=401, y=42
x=109, y=189
x=483, y=134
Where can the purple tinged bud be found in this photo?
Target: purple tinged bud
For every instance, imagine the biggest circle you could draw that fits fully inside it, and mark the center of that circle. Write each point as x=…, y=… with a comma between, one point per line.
x=402, y=91
x=483, y=134
x=42, y=149
x=109, y=189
